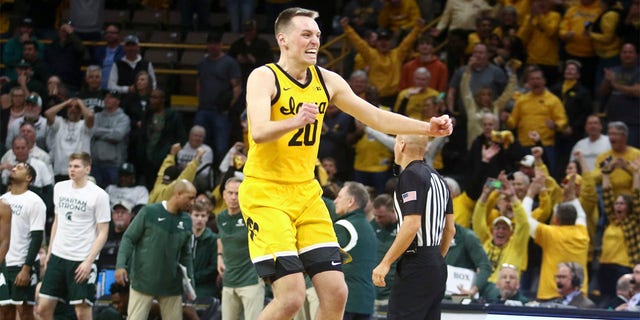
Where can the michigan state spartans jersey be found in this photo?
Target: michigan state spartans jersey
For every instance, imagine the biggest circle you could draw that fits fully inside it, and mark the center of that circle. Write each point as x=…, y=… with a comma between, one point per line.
x=292, y=157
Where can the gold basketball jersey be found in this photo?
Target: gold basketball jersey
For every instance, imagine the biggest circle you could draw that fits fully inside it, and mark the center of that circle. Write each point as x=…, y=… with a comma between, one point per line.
x=292, y=157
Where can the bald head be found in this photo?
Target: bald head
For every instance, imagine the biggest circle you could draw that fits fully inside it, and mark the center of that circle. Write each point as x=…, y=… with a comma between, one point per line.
x=415, y=144
x=183, y=185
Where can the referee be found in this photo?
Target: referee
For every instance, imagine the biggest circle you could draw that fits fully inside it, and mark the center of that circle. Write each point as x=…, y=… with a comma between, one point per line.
x=425, y=219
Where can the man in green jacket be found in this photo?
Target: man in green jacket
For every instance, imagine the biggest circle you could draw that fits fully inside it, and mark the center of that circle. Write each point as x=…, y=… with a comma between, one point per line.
x=357, y=238
x=154, y=245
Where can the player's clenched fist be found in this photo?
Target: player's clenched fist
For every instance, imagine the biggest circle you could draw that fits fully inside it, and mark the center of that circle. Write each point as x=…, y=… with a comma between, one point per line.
x=308, y=113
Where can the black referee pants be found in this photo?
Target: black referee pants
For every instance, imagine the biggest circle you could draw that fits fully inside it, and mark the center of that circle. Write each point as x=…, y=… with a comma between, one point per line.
x=419, y=286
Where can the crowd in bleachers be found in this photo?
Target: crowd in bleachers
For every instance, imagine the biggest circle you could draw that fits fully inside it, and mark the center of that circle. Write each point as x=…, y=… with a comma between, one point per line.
x=544, y=161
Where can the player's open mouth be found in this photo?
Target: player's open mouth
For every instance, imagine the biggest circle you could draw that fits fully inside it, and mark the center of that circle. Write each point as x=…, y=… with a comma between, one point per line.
x=312, y=51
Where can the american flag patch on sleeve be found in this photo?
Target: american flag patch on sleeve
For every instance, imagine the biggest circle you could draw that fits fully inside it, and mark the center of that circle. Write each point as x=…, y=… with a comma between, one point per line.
x=409, y=196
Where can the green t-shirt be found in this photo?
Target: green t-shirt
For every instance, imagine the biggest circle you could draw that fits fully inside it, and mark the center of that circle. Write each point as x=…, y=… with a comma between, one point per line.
x=239, y=271
x=386, y=236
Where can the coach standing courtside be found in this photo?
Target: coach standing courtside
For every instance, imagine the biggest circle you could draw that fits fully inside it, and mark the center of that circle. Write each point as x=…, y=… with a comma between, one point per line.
x=425, y=217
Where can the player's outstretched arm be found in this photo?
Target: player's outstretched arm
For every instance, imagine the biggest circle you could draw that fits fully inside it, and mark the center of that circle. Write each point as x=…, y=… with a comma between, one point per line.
x=260, y=90
x=376, y=118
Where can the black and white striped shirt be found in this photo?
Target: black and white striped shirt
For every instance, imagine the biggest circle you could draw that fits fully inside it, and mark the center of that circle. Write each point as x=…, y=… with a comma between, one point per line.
x=422, y=191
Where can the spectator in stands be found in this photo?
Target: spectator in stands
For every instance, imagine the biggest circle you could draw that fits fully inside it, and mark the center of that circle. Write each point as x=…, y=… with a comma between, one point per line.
x=577, y=43
x=334, y=140
x=504, y=243
x=126, y=189
x=482, y=34
x=410, y=101
x=135, y=104
x=120, y=219
x=56, y=90
x=372, y=159
x=106, y=56
x=620, y=154
x=630, y=30
x=159, y=130
x=427, y=57
x=539, y=34
x=202, y=9
x=25, y=81
x=123, y=71
x=169, y=174
x=239, y=12
x=363, y=14
x=620, y=240
x=399, y=16
x=460, y=15
x=65, y=56
x=250, y=51
x=577, y=105
x=624, y=292
x=621, y=88
x=28, y=130
x=242, y=289
x=110, y=140
x=384, y=60
x=477, y=103
x=197, y=136
x=87, y=18
x=152, y=251
x=593, y=144
x=569, y=279
x=32, y=114
x=466, y=251
x=567, y=239
x=40, y=69
x=634, y=303
x=384, y=225
x=205, y=249
x=357, y=238
x=218, y=87
x=19, y=152
x=91, y=92
x=527, y=116
x=68, y=135
x=508, y=285
x=12, y=51
x=483, y=74
x=12, y=108
x=605, y=36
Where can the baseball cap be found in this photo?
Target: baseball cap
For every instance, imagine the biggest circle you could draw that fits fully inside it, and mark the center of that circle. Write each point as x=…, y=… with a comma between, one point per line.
x=132, y=38
x=123, y=203
x=527, y=161
x=113, y=93
x=26, y=22
x=383, y=33
x=504, y=220
x=34, y=99
x=127, y=168
x=23, y=64
x=171, y=173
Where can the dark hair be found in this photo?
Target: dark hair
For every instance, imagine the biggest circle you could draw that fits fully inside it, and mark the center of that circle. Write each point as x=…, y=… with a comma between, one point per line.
x=566, y=214
x=118, y=288
x=383, y=200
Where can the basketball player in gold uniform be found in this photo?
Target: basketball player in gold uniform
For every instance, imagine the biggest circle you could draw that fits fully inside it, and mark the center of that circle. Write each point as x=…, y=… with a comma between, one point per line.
x=290, y=231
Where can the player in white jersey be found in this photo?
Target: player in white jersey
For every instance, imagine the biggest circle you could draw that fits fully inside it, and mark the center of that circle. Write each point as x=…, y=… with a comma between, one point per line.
x=79, y=231
x=19, y=277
